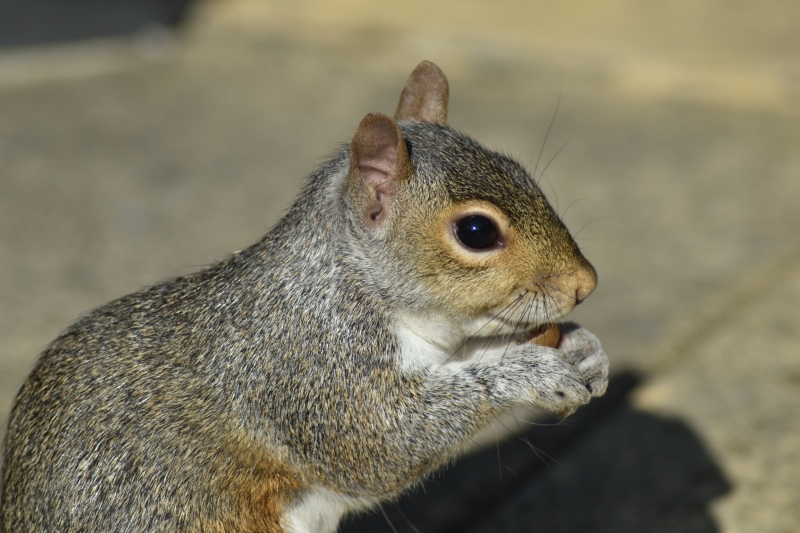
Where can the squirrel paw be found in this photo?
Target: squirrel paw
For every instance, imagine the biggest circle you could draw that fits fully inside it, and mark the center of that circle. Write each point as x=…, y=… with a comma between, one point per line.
x=559, y=387
x=582, y=349
x=570, y=375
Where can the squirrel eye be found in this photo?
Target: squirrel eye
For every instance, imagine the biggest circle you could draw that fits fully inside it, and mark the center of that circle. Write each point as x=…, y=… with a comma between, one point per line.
x=476, y=232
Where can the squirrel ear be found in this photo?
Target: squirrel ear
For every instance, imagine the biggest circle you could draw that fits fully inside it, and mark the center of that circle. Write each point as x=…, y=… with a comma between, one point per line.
x=378, y=161
x=424, y=98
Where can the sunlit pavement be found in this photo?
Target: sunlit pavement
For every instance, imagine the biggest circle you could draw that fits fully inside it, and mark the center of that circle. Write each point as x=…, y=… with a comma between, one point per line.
x=129, y=160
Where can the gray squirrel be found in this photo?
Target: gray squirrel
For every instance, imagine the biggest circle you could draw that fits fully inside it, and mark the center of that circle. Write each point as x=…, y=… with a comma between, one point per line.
x=329, y=367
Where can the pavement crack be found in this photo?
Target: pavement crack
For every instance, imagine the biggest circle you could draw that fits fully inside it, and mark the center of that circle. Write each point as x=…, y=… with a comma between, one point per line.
x=747, y=291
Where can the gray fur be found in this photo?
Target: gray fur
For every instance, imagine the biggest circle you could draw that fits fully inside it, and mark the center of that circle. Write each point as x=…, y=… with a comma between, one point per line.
x=135, y=418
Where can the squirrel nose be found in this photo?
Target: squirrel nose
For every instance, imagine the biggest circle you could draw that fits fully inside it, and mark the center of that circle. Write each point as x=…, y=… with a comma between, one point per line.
x=584, y=282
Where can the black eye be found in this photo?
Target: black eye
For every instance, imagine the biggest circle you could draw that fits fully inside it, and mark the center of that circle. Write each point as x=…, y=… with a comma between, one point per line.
x=476, y=232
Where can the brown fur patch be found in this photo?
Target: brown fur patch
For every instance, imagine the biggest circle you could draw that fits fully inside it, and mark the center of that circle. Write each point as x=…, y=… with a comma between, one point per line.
x=259, y=497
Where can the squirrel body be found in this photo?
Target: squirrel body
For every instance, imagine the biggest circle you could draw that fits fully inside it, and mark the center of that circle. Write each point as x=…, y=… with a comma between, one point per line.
x=323, y=370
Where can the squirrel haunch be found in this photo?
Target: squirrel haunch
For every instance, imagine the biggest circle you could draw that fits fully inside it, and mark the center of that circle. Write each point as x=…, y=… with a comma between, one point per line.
x=326, y=368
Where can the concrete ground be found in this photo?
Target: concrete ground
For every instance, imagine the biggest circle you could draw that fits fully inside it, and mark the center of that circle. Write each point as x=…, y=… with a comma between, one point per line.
x=127, y=161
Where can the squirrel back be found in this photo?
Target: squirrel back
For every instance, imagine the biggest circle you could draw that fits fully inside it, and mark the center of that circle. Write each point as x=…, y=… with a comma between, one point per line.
x=323, y=369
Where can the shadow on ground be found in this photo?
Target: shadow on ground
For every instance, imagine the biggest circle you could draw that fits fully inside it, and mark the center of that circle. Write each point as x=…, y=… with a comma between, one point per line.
x=25, y=22
x=610, y=468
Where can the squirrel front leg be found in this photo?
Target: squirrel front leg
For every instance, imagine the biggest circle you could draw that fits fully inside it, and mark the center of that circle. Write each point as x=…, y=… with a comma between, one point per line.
x=556, y=380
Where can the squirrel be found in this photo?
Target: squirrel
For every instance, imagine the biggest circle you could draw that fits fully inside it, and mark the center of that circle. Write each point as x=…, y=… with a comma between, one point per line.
x=329, y=367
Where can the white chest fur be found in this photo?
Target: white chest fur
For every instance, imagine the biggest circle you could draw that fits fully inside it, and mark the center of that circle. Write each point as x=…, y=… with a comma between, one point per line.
x=319, y=511
x=433, y=343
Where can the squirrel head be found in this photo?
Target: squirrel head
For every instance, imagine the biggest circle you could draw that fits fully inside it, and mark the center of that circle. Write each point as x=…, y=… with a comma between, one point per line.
x=449, y=228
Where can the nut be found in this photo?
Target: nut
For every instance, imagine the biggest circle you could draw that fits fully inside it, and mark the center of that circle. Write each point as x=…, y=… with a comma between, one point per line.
x=550, y=337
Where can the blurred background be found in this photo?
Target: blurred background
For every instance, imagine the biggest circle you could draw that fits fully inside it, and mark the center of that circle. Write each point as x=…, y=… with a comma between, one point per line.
x=143, y=139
